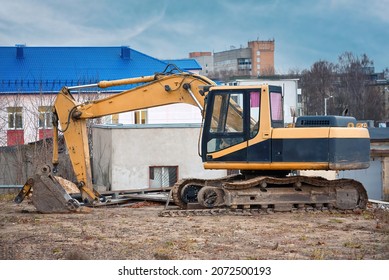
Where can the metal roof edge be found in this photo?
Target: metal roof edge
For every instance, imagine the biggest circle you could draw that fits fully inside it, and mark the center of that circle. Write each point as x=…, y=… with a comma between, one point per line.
x=147, y=126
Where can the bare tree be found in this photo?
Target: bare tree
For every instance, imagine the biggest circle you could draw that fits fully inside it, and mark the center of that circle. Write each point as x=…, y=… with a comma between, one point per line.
x=317, y=84
x=345, y=85
x=355, y=90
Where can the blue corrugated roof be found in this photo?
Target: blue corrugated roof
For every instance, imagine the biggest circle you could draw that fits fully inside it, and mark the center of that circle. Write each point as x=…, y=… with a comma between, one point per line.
x=48, y=69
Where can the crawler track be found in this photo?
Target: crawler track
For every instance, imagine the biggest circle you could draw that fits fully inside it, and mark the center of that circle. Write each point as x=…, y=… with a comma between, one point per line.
x=235, y=195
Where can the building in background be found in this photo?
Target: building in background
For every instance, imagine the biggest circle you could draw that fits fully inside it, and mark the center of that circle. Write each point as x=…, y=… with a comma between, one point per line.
x=205, y=59
x=257, y=59
x=30, y=78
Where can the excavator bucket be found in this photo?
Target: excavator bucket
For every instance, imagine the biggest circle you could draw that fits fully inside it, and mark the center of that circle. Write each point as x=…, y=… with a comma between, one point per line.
x=48, y=193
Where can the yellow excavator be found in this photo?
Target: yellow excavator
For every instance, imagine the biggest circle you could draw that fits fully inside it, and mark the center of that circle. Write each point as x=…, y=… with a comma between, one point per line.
x=243, y=129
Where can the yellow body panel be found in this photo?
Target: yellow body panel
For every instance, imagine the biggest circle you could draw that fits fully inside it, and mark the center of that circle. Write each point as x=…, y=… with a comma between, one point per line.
x=349, y=132
x=300, y=133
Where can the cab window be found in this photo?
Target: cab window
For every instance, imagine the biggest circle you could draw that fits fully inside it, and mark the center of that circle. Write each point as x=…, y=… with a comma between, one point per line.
x=255, y=105
x=227, y=122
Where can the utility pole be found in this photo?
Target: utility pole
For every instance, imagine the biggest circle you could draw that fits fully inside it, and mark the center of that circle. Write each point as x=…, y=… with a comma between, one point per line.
x=325, y=104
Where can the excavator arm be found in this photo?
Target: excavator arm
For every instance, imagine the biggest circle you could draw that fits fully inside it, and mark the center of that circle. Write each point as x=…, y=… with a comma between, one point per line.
x=69, y=117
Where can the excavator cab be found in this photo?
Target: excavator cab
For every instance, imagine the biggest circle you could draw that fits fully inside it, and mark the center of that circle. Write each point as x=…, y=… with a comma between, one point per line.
x=244, y=130
x=238, y=123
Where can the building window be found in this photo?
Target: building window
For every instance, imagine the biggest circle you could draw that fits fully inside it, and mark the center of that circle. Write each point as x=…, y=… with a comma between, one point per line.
x=140, y=117
x=299, y=98
x=244, y=63
x=15, y=117
x=163, y=176
x=45, y=122
x=15, y=132
x=45, y=117
x=258, y=53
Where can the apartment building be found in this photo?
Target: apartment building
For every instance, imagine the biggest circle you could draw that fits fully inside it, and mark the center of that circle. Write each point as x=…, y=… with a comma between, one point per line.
x=257, y=59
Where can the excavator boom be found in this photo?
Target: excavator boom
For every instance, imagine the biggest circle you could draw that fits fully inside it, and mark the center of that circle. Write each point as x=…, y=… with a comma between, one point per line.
x=70, y=119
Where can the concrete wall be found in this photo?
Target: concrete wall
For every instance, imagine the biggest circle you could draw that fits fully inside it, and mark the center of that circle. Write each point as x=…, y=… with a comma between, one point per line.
x=376, y=177
x=371, y=178
x=123, y=154
x=17, y=163
x=385, y=178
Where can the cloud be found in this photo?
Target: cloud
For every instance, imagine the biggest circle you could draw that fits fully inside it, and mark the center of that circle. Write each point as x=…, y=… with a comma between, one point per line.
x=38, y=23
x=304, y=31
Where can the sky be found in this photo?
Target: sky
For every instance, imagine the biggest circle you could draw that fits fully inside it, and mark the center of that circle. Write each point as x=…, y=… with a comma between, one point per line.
x=305, y=31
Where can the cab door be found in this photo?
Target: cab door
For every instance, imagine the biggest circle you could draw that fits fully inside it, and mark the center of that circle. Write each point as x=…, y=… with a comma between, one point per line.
x=224, y=127
x=232, y=119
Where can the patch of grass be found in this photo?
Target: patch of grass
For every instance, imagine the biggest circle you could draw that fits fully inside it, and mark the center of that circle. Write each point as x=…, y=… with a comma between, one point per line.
x=368, y=215
x=7, y=196
x=187, y=245
x=303, y=238
x=162, y=256
x=57, y=251
x=351, y=244
x=165, y=251
x=318, y=254
x=76, y=255
x=337, y=221
x=169, y=244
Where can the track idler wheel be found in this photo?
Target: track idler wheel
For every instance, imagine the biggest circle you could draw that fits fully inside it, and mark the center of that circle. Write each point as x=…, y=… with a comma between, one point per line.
x=189, y=193
x=211, y=197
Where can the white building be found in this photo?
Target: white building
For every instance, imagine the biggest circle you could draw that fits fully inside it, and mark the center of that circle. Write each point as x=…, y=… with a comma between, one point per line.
x=147, y=156
x=30, y=78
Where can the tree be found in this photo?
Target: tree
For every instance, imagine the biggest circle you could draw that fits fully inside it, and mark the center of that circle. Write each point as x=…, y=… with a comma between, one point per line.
x=317, y=84
x=348, y=84
x=355, y=90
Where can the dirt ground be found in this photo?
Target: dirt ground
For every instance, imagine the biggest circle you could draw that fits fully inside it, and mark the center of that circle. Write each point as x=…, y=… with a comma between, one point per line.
x=139, y=233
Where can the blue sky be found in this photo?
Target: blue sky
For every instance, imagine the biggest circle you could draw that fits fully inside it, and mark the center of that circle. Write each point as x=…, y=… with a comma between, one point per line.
x=304, y=31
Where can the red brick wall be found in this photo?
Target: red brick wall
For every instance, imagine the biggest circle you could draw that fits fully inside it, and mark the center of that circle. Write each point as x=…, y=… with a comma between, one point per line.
x=15, y=137
x=45, y=133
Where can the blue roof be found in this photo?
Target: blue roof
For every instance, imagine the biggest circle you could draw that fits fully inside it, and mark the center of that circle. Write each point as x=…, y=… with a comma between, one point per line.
x=25, y=69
